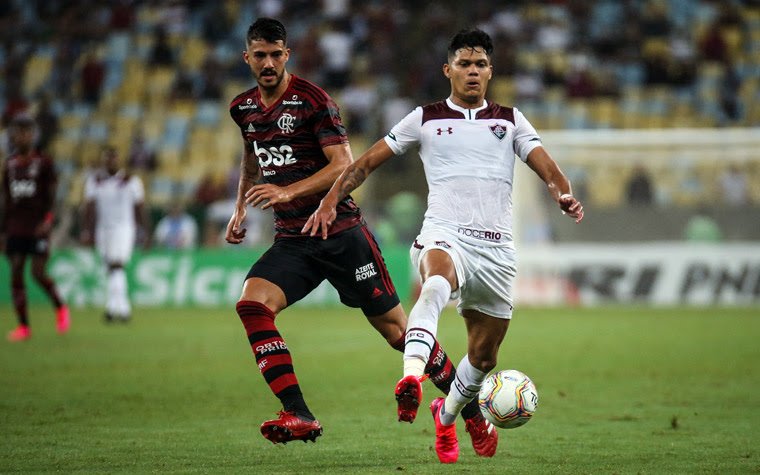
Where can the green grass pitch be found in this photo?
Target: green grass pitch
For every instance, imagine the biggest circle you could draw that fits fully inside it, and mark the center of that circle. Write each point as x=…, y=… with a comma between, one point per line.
x=622, y=390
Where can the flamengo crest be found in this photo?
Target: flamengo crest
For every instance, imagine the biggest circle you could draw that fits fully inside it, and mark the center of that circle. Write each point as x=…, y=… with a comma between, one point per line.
x=498, y=130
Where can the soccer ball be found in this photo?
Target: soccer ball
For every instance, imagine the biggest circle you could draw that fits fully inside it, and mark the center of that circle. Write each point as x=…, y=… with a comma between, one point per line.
x=508, y=399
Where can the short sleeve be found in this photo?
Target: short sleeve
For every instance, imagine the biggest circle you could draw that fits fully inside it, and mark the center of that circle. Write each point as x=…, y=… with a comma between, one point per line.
x=406, y=133
x=526, y=138
x=327, y=124
x=89, y=187
x=138, y=191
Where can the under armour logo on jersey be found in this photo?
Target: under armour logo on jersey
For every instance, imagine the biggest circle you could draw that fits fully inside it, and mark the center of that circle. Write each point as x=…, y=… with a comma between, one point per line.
x=498, y=130
x=448, y=130
x=285, y=123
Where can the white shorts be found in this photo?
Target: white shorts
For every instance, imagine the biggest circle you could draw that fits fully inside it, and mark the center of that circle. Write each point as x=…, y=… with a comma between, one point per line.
x=486, y=274
x=115, y=245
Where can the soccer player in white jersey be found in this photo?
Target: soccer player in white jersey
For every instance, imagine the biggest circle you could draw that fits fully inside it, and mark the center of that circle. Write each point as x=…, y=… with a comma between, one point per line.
x=113, y=214
x=469, y=147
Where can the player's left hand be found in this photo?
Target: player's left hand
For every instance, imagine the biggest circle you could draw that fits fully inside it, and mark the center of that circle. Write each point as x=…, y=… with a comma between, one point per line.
x=321, y=219
x=571, y=207
x=267, y=191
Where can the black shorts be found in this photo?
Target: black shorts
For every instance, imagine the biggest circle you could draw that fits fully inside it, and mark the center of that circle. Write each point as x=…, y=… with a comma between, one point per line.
x=27, y=245
x=351, y=261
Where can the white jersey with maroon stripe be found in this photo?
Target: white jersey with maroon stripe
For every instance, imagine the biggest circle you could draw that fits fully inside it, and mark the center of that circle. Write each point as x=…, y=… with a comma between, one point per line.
x=469, y=158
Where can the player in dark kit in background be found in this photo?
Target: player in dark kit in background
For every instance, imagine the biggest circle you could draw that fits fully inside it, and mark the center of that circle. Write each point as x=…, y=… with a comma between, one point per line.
x=29, y=182
x=295, y=141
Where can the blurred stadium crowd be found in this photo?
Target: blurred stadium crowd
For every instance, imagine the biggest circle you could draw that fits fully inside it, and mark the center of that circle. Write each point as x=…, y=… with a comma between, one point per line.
x=154, y=79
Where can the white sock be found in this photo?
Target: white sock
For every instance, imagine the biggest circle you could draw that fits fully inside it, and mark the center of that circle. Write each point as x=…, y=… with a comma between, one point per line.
x=464, y=388
x=122, y=306
x=112, y=295
x=125, y=309
x=423, y=324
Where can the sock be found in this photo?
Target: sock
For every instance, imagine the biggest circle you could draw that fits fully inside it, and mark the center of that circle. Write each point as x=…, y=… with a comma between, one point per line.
x=423, y=324
x=112, y=295
x=19, y=302
x=48, y=286
x=272, y=356
x=466, y=385
x=121, y=296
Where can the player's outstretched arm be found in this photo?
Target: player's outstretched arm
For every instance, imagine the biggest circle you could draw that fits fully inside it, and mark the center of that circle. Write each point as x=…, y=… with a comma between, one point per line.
x=353, y=176
x=249, y=175
x=557, y=183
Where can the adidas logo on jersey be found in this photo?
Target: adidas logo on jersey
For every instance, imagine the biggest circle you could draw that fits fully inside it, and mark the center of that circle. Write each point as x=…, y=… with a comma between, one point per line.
x=250, y=128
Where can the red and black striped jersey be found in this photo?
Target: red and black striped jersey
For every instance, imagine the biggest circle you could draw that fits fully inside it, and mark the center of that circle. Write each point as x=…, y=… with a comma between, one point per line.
x=287, y=138
x=28, y=188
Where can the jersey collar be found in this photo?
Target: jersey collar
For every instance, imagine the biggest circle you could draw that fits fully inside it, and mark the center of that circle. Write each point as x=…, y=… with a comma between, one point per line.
x=468, y=113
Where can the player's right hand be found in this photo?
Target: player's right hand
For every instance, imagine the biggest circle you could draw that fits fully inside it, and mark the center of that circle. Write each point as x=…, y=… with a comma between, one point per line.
x=321, y=219
x=235, y=234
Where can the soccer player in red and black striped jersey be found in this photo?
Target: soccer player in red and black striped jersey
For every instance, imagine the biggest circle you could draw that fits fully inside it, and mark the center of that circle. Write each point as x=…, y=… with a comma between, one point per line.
x=28, y=189
x=295, y=146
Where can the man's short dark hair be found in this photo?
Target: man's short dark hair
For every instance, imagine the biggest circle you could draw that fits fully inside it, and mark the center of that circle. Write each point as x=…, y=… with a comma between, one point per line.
x=267, y=29
x=470, y=38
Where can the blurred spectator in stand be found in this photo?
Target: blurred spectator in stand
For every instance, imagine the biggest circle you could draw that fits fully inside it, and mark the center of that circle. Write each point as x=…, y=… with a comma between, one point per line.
x=657, y=64
x=13, y=70
x=638, y=191
x=702, y=228
x=162, y=53
x=358, y=101
x=712, y=45
x=141, y=156
x=184, y=85
x=654, y=22
x=93, y=74
x=66, y=54
x=210, y=189
x=306, y=64
x=579, y=82
x=336, y=45
x=211, y=87
x=176, y=230
x=47, y=123
x=734, y=186
x=122, y=15
x=730, y=86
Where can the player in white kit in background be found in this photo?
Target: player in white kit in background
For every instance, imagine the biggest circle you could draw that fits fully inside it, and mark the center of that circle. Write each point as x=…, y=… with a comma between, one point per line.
x=113, y=215
x=465, y=248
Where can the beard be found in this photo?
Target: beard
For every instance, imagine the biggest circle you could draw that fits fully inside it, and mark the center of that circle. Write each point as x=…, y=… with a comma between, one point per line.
x=269, y=86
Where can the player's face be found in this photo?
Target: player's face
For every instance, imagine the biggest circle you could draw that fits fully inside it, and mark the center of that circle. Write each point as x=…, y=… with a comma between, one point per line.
x=111, y=161
x=267, y=62
x=22, y=137
x=469, y=72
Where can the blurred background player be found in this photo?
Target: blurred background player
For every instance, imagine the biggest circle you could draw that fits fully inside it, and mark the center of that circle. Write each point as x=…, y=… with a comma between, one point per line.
x=294, y=138
x=113, y=216
x=29, y=184
x=465, y=248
